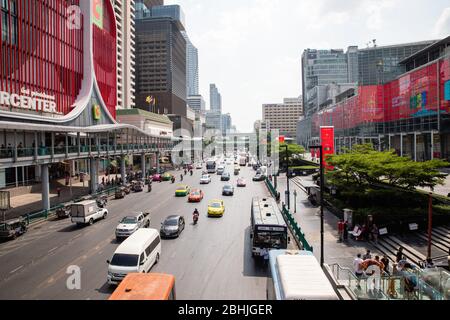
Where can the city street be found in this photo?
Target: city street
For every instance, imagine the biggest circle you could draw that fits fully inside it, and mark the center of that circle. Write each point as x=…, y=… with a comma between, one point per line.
x=211, y=260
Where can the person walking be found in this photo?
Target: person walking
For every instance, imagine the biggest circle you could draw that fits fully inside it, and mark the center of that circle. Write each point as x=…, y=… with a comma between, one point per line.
x=358, y=269
x=368, y=255
x=345, y=230
x=399, y=255
x=58, y=190
x=374, y=232
x=385, y=261
x=341, y=230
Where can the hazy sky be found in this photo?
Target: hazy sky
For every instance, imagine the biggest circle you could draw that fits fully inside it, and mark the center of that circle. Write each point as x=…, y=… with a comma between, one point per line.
x=252, y=49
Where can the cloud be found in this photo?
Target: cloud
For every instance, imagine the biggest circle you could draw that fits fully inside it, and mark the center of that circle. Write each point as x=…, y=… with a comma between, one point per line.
x=442, y=26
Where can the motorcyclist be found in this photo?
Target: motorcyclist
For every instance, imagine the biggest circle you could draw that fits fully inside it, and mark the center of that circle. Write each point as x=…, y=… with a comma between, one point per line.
x=195, y=215
x=173, y=179
x=181, y=177
x=150, y=186
x=192, y=172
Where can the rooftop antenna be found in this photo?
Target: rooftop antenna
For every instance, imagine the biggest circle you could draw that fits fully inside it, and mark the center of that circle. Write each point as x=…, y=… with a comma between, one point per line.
x=374, y=43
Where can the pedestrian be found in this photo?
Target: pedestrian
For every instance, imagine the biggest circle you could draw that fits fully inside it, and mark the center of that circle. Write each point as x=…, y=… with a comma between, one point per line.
x=385, y=261
x=399, y=255
x=345, y=230
x=58, y=190
x=265, y=254
x=374, y=232
x=392, y=292
x=358, y=269
x=429, y=263
x=368, y=255
x=341, y=230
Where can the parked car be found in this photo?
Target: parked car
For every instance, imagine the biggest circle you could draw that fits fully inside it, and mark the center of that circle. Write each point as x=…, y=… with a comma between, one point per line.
x=138, y=186
x=205, y=179
x=120, y=192
x=86, y=212
x=63, y=212
x=157, y=178
x=11, y=229
x=130, y=224
x=228, y=190
x=172, y=226
x=225, y=176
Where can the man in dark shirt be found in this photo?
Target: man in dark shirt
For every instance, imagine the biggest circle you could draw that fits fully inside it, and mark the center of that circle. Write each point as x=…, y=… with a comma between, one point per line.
x=399, y=255
x=385, y=261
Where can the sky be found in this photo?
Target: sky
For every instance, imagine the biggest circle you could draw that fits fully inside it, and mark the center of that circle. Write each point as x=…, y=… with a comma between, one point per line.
x=251, y=49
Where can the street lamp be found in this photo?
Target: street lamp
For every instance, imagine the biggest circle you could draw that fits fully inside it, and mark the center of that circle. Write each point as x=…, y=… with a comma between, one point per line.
x=288, y=192
x=321, y=202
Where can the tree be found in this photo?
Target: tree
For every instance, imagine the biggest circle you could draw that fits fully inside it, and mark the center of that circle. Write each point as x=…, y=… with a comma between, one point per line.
x=293, y=149
x=364, y=166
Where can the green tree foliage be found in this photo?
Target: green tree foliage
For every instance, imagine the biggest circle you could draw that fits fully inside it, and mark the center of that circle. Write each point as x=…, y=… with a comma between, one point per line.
x=362, y=166
x=293, y=149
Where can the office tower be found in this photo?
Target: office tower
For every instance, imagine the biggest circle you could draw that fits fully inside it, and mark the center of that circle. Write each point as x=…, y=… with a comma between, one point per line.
x=215, y=98
x=284, y=116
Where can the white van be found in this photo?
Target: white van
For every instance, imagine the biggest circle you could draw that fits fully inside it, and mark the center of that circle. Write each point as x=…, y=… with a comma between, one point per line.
x=138, y=253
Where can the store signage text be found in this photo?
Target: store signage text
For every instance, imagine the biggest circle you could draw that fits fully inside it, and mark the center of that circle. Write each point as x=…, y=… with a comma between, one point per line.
x=29, y=100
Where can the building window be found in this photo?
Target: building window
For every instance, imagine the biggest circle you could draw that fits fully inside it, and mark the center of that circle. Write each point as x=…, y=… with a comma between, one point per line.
x=9, y=26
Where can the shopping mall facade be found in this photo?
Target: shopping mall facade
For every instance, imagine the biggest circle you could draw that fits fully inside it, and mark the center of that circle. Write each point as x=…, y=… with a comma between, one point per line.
x=58, y=93
x=410, y=114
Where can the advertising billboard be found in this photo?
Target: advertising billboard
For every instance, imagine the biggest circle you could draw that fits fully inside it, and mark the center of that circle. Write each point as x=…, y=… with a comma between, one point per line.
x=327, y=141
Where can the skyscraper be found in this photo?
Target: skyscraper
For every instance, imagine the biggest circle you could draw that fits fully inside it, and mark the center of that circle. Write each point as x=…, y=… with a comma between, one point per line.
x=124, y=11
x=192, y=76
x=284, y=116
x=161, y=60
x=226, y=123
x=215, y=98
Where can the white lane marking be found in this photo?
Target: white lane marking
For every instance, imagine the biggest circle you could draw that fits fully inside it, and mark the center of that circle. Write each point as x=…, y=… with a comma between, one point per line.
x=17, y=269
x=51, y=250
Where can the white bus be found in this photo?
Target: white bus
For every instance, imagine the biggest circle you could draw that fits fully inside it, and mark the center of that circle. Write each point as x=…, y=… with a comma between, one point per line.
x=296, y=275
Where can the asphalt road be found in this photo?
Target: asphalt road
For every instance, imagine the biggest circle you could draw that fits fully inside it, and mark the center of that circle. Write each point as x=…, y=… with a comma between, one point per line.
x=211, y=260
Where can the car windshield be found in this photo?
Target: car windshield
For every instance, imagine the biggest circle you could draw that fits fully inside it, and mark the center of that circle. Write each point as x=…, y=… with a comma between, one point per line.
x=205, y=177
x=125, y=260
x=195, y=193
x=227, y=187
x=215, y=205
x=171, y=222
x=129, y=220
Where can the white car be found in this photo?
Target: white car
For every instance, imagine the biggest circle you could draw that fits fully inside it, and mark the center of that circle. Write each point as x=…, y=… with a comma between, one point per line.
x=205, y=179
x=199, y=166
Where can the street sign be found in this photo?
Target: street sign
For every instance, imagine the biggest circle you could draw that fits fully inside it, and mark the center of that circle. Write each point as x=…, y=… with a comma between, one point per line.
x=5, y=200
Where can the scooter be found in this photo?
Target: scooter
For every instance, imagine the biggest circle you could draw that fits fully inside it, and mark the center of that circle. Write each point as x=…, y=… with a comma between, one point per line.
x=195, y=218
x=173, y=179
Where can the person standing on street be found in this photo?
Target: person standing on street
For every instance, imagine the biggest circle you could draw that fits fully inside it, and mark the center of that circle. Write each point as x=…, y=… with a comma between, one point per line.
x=341, y=230
x=367, y=256
x=399, y=255
x=358, y=269
x=374, y=232
x=385, y=261
x=346, y=230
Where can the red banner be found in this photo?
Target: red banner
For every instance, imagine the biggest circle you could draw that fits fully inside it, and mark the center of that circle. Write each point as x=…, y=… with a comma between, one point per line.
x=327, y=141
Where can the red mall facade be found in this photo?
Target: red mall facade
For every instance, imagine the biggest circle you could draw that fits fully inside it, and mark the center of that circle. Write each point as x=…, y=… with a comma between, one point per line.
x=409, y=114
x=58, y=91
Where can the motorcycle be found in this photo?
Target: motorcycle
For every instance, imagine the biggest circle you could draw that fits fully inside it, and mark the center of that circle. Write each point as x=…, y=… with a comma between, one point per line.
x=195, y=218
x=173, y=179
x=181, y=177
x=102, y=201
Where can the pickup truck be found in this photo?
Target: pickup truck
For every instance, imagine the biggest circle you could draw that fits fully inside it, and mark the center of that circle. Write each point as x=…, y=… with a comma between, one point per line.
x=86, y=212
x=129, y=224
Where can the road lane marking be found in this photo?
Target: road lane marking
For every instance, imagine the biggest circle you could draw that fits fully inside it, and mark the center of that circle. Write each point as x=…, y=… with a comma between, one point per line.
x=17, y=269
x=51, y=250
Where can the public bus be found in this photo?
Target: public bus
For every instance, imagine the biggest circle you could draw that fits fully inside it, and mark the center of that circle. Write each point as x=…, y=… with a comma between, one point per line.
x=145, y=286
x=211, y=165
x=268, y=228
x=297, y=275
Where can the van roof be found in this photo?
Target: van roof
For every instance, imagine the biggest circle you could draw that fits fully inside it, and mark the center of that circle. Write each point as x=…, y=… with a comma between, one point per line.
x=137, y=241
x=141, y=286
x=85, y=203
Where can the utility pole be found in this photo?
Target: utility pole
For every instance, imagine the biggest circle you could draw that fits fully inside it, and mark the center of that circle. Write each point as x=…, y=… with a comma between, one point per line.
x=288, y=192
x=430, y=222
x=320, y=147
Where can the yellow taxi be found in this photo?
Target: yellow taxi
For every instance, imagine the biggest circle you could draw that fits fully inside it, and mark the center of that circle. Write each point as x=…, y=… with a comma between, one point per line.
x=216, y=208
x=182, y=190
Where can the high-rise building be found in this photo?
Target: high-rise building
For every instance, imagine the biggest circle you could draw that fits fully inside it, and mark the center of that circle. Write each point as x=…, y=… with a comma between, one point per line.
x=284, y=116
x=226, y=123
x=161, y=60
x=213, y=120
x=152, y=3
x=196, y=103
x=215, y=98
x=192, y=76
x=124, y=11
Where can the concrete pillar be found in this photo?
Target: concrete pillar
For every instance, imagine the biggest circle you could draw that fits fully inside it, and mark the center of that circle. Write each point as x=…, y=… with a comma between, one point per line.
x=45, y=187
x=389, y=142
x=143, y=167
x=379, y=143
x=122, y=168
x=415, y=146
x=157, y=162
x=401, y=144
x=432, y=145
x=37, y=173
x=94, y=175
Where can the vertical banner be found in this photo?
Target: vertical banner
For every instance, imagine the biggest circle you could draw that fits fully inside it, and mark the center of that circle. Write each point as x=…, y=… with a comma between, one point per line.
x=327, y=141
x=97, y=13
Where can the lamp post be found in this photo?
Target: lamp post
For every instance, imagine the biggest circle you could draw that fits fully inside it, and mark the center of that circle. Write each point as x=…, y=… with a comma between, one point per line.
x=288, y=192
x=430, y=221
x=295, y=201
x=321, y=203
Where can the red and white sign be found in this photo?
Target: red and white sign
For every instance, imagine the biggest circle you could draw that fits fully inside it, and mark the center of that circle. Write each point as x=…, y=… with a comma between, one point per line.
x=327, y=141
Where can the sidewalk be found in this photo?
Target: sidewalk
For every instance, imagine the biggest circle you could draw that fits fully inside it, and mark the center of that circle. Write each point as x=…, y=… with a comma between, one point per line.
x=32, y=202
x=308, y=217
